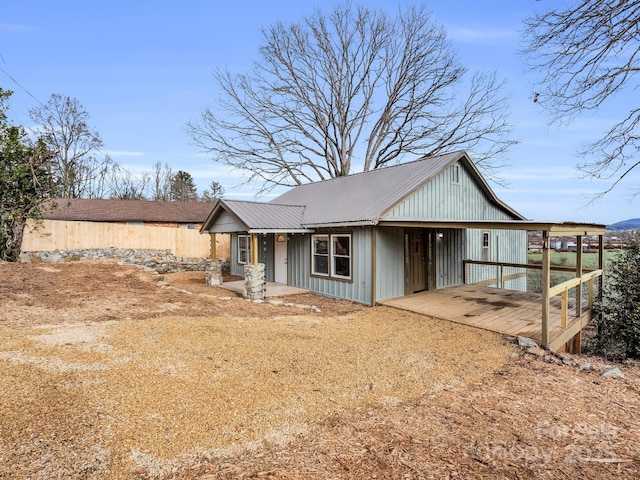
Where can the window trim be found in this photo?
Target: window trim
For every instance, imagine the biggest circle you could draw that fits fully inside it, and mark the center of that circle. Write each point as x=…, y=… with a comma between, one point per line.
x=314, y=254
x=485, y=248
x=247, y=248
x=332, y=256
x=455, y=174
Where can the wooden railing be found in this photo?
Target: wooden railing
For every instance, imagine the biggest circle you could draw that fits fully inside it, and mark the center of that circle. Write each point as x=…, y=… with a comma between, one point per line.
x=582, y=316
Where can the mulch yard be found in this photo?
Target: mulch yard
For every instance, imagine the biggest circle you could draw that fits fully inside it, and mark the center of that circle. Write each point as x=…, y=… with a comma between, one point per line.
x=106, y=374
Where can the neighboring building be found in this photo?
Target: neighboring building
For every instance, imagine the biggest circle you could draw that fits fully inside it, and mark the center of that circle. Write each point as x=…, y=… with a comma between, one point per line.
x=379, y=234
x=80, y=223
x=131, y=212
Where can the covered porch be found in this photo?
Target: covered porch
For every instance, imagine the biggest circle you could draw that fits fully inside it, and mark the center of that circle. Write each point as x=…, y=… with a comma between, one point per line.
x=554, y=315
x=508, y=312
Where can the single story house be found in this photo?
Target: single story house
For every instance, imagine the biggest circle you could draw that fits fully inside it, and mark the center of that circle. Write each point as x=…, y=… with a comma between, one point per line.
x=376, y=235
x=190, y=215
x=91, y=223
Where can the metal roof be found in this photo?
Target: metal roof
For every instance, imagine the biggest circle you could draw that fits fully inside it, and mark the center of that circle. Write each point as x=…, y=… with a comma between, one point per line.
x=264, y=216
x=359, y=199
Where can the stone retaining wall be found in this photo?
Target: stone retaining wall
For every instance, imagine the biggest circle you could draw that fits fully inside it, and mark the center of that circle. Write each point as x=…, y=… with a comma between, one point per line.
x=163, y=261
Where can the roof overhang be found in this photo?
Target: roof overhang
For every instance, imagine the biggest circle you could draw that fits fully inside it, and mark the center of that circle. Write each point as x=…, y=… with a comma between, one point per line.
x=280, y=230
x=554, y=228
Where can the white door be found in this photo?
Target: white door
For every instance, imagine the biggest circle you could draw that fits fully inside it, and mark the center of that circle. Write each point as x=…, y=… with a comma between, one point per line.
x=280, y=258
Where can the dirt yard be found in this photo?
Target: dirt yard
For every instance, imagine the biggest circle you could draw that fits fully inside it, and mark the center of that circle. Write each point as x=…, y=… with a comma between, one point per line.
x=108, y=373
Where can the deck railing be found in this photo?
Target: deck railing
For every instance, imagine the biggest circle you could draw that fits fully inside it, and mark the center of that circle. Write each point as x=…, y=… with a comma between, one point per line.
x=507, y=272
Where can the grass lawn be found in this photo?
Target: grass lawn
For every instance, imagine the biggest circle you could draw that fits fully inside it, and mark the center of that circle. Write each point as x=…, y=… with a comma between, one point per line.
x=589, y=260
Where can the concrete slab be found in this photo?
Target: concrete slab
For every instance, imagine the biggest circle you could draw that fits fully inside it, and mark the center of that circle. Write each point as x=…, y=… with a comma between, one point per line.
x=273, y=289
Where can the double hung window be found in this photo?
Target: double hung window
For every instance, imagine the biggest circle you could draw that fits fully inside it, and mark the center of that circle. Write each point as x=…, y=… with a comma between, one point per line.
x=243, y=249
x=331, y=255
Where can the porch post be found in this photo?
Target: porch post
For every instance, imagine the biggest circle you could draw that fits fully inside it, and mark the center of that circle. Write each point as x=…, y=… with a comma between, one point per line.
x=253, y=239
x=578, y=275
x=601, y=264
x=213, y=245
x=546, y=281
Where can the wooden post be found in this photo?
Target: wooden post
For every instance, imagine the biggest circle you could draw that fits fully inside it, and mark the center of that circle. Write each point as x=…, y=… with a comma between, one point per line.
x=213, y=245
x=546, y=283
x=601, y=264
x=565, y=308
x=253, y=239
x=579, y=275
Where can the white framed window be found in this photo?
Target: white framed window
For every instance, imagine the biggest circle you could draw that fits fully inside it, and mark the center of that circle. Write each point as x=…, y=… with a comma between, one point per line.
x=486, y=246
x=341, y=256
x=320, y=255
x=244, y=253
x=331, y=255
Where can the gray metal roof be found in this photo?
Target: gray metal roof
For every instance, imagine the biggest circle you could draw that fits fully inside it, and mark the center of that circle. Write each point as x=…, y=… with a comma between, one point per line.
x=359, y=199
x=364, y=197
x=265, y=216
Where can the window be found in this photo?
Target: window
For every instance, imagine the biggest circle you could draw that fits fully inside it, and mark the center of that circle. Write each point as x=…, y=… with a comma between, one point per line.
x=455, y=174
x=320, y=255
x=341, y=256
x=243, y=249
x=486, y=246
x=331, y=255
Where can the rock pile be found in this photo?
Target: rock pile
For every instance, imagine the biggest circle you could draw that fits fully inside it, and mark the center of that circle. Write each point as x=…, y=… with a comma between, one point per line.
x=162, y=261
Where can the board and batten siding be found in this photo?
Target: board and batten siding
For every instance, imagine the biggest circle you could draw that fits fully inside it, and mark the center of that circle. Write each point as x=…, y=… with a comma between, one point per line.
x=357, y=290
x=225, y=223
x=389, y=262
x=444, y=199
x=236, y=268
x=509, y=246
x=450, y=252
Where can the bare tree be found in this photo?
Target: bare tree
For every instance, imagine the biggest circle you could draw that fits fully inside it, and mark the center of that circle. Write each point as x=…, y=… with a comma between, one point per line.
x=79, y=168
x=123, y=185
x=354, y=89
x=587, y=54
x=162, y=180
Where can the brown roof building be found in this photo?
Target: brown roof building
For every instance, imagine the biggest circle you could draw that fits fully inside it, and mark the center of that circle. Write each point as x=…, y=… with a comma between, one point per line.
x=149, y=212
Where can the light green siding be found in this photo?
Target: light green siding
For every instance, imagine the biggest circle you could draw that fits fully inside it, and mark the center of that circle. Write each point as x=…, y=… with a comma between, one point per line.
x=264, y=256
x=450, y=252
x=443, y=199
x=225, y=223
x=357, y=290
x=389, y=263
x=509, y=246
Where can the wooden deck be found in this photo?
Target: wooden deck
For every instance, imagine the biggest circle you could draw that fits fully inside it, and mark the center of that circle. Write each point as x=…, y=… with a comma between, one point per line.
x=508, y=312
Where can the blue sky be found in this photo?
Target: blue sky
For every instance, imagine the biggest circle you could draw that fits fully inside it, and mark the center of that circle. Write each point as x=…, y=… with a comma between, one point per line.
x=144, y=68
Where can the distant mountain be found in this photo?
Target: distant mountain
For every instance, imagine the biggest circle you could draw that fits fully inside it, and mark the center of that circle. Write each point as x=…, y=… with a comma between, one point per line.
x=631, y=224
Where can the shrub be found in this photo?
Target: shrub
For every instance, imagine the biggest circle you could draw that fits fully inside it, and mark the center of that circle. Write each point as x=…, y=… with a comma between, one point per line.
x=619, y=310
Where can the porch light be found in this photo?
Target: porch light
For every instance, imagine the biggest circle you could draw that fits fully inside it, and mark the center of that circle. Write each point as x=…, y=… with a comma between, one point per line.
x=440, y=235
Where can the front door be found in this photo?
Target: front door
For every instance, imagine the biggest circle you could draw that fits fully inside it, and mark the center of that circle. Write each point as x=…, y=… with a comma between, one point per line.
x=280, y=258
x=419, y=260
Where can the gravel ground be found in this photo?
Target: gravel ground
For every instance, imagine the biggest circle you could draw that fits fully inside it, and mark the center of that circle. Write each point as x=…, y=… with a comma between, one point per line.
x=106, y=374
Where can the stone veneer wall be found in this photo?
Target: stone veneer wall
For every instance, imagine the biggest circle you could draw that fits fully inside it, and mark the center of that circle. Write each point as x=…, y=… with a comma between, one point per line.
x=255, y=286
x=163, y=261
